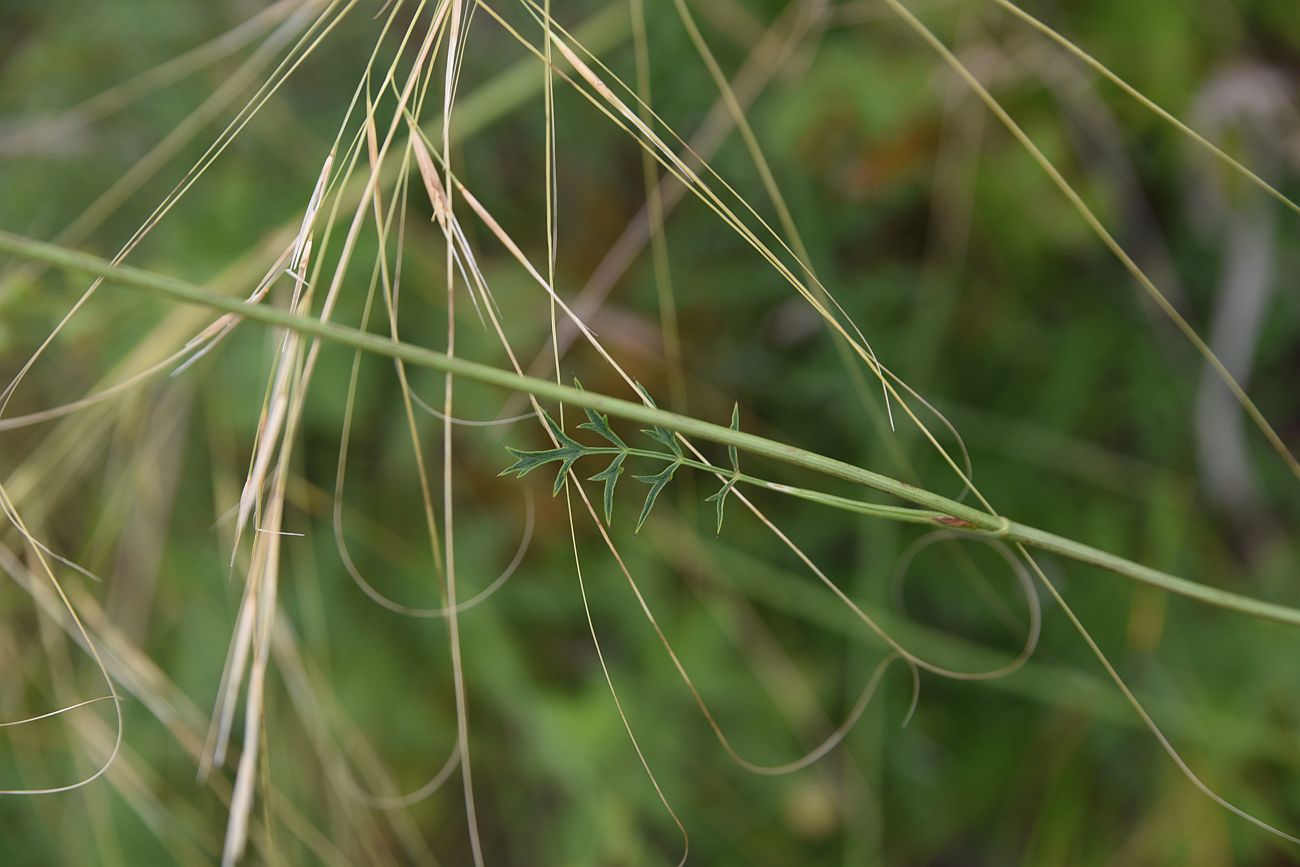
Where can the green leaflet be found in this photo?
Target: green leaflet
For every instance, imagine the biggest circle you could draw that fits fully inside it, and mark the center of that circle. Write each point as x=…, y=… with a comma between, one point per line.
x=720, y=498
x=609, y=476
x=599, y=424
x=660, y=434
x=570, y=450
x=657, y=483
x=735, y=425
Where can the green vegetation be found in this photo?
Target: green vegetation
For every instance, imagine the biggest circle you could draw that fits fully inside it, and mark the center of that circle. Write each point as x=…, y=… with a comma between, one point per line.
x=993, y=300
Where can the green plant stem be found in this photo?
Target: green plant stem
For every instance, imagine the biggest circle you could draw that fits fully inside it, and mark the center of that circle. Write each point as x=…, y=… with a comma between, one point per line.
x=936, y=509
x=847, y=504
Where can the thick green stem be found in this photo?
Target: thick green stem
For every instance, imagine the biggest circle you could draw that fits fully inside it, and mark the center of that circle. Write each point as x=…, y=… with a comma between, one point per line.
x=179, y=290
x=950, y=513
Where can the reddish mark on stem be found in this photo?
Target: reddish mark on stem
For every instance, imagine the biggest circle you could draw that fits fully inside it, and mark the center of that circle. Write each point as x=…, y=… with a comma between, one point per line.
x=950, y=521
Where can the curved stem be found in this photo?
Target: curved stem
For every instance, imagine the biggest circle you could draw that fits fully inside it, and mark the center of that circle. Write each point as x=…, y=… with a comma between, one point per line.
x=935, y=507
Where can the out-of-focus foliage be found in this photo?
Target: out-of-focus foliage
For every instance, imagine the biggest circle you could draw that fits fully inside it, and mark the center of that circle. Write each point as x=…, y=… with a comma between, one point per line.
x=968, y=272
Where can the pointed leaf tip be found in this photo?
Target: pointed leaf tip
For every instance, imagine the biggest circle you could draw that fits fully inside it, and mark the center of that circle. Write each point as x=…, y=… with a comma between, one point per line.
x=599, y=424
x=665, y=437
x=720, y=498
x=644, y=392
x=657, y=483
x=610, y=476
x=562, y=475
x=731, y=449
x=526, y=461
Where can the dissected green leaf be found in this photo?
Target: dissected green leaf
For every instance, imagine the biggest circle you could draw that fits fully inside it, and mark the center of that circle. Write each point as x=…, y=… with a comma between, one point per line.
x=609, y=476
x=566, y=441
x=664, y=436
x=657, y=433
x=562, y=475
x=599, y=424
x=570, y=450
x=720, y=498
x=527, y=461
x=657, y=483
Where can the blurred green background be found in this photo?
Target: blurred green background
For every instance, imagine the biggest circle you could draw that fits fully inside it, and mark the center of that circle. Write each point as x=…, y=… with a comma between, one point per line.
x=1085, y=412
